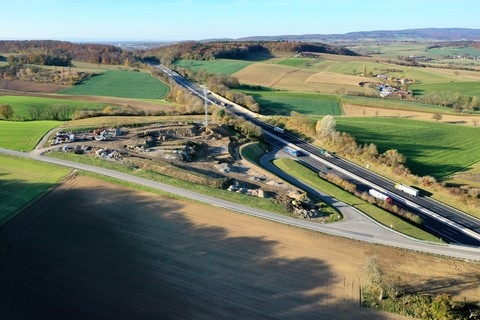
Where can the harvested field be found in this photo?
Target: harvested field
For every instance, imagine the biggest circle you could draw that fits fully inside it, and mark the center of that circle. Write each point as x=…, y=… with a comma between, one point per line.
x=334, y=78
x=29, y=86
x=92, y=250
x=352, y=110
x=288, y=78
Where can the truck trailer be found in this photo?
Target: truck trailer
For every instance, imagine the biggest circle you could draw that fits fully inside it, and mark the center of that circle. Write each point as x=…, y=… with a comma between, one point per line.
x=408, y=190
x=380, y=196
x=291, y=151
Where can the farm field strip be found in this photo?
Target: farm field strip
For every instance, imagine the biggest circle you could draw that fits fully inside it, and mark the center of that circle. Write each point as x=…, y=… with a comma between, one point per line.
x=24, y=136
x=123, y=84
x=283, y=102
x=224, y=66
x=21, y=105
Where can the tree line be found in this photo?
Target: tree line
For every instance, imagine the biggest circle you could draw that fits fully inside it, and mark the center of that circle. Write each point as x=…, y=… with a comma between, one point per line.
x=236, y=50
x=52, y=51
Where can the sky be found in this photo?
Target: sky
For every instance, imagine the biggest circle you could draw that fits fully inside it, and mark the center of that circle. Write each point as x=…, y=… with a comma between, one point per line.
x=178, y=20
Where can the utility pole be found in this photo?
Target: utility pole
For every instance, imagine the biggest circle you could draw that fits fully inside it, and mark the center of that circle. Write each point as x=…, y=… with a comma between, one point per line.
x=205, y=91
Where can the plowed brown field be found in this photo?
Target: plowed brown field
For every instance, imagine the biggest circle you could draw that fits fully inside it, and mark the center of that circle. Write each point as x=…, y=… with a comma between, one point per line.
x=93, y=250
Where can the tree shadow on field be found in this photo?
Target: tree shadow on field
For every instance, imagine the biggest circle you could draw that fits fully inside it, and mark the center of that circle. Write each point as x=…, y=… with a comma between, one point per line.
x=102, y=252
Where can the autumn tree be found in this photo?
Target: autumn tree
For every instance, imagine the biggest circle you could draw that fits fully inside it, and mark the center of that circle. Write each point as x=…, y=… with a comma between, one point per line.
x=6, y=111
x=437, y=117
x=325, y=128
x=392, y=158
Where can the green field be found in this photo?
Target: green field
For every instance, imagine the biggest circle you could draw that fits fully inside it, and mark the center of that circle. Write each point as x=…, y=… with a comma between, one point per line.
x=434, y=149
x=123, y=84
x=284, y=102
x=224, y=66
x=471, y=88
x=22, y=181
x=297, y=62
x=23, y=136
x=453, y=51
x=396, y=104
x=22, y=104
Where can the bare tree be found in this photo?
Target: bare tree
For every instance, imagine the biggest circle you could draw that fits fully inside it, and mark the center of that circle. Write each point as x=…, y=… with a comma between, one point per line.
x=36, y=112
x=325, y=128
x=437, y=117
x=6, y=111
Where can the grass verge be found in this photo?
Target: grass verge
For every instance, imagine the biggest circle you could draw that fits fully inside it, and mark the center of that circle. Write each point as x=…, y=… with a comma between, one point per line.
x=254, y=202
x=385, y=218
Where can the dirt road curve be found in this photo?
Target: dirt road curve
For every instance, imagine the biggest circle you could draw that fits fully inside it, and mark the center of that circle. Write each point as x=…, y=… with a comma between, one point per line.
x=92, y=250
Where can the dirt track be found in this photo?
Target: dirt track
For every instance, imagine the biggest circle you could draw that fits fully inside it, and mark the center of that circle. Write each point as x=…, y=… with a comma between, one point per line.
x=92, y=250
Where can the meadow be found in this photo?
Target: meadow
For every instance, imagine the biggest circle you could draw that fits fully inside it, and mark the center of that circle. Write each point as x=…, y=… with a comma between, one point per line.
x=469, y=88
x=433, y=149
x=225, y=66
x=396, y=104
x=24, y=136
x=21, y=105
x=122, y=84
x=284, y=102
x=23, y=181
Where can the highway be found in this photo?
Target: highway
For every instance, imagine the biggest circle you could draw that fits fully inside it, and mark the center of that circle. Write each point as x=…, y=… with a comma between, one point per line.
x=444, y=221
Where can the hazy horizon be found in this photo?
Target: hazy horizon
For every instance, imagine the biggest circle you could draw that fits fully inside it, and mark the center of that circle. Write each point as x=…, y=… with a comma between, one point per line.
x=160, y=20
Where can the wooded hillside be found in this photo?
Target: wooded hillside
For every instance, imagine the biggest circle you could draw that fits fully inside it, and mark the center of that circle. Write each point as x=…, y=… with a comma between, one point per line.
x=93, y=53
x=238, y=50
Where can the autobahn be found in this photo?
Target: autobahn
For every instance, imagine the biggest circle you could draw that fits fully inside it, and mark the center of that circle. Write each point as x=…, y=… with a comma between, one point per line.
x=444, y=221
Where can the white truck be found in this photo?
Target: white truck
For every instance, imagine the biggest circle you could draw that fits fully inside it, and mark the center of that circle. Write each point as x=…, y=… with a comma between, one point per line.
x=408, y=190
x=279, y=130
x=380, y=196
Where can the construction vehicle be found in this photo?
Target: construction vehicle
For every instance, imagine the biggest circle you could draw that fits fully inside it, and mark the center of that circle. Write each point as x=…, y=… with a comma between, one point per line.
x=303, y=205
x=299, y=201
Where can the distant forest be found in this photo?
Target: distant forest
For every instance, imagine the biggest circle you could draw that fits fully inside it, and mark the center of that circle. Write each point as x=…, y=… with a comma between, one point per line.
x=61, y=53
x=237, y=50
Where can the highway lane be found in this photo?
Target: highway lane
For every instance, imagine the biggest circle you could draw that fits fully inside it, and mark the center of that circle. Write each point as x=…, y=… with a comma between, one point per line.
x=450, y=224
x=445, y=228
x=352, y=231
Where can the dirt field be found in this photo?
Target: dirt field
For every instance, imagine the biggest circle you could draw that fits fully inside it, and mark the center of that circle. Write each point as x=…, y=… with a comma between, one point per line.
x=352, y=110
x=92, y=250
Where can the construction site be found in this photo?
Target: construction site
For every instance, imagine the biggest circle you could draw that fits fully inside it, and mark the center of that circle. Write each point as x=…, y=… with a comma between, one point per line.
x=189, y=151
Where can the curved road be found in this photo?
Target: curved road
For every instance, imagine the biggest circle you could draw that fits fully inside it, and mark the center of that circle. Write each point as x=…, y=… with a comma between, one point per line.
x=349, y=230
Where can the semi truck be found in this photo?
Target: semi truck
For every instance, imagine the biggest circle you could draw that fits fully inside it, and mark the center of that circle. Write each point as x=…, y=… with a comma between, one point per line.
x=279, y=130
x=380, y=196
x=291, y=151
x=408, y=190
